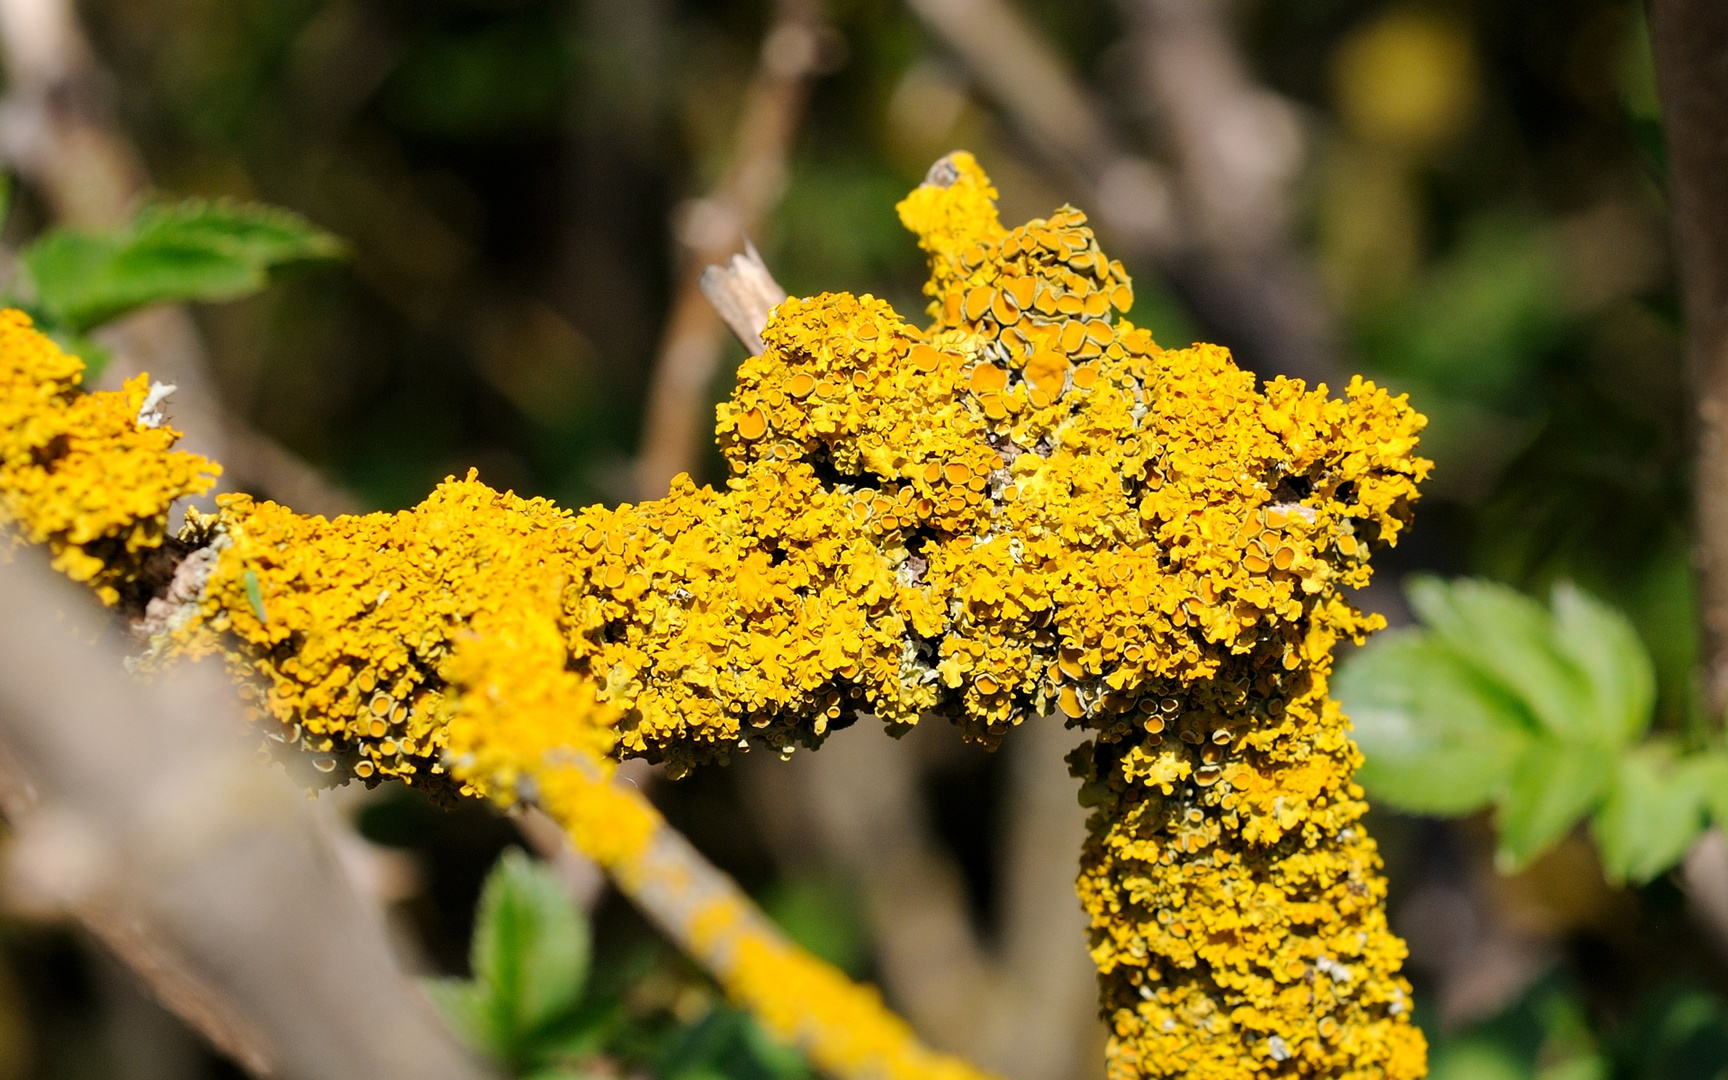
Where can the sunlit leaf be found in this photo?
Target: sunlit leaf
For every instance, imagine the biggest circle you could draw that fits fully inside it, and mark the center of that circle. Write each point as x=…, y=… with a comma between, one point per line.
x=1601, y=643
x=1654, y=812
x=1510, y=638
x=1554, y=784
x=196, y=250
x=530, y=948
x=1436, y=736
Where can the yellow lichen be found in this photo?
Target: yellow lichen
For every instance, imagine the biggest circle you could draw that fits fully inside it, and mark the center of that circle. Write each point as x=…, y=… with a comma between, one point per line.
x=81, y=472
x=524, y=727
x=1027, y=509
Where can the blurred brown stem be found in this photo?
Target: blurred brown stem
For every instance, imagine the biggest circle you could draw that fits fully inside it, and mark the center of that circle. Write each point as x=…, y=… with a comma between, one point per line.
x=1690, y=39
x=142, y=808
x=714, y=227
x=1025, y=1009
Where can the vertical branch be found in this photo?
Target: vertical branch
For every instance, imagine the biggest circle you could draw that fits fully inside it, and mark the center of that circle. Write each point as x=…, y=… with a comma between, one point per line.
x=1690, y=38
x=755, y=179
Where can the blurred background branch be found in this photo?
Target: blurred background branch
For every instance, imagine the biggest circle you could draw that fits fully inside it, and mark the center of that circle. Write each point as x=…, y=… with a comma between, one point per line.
x=142, y=809
x=797, y=47
x=1690, y=42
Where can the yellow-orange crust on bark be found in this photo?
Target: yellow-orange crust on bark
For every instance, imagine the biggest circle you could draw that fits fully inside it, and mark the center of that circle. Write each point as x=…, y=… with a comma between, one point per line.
x=1027, y=509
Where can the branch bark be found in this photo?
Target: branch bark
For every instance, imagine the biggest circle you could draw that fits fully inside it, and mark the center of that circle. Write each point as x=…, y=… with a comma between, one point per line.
x=1690, y=41
x=142, y=809
x=1690, y=38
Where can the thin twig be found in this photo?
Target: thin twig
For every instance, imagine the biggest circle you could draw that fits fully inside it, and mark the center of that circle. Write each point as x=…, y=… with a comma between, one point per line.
x=714, y=227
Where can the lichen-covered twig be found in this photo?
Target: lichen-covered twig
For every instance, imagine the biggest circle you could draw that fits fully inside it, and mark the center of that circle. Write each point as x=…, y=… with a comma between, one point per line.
x=1027, y=508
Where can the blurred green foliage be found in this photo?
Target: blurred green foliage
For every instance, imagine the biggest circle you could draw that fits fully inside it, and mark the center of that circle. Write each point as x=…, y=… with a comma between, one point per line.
x=1680, y=1032
x=76, y=280
x=530, y=1008
x=530, y=954
x=1539, y=710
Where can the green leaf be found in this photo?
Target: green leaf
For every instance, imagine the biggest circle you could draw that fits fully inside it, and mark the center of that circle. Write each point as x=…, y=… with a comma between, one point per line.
x=1510, y=638
x=83, y=279
x=1653, y=814
x=1601, y=643
x=1437, y=737
x=1554, y=784
x=467, y=1008
x=530, y=948
x=196, y=250
x=262, y=235
x=1712, y=769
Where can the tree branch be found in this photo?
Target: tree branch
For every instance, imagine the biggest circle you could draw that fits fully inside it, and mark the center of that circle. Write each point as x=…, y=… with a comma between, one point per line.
x=202, y=869
x=1690, y=38
x=1690, y=41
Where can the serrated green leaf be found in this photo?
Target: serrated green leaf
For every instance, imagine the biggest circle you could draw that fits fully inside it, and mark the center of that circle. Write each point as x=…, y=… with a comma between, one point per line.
x=1601, y=643
x=1554, y=784
x=262, y=235
x=83, y=280
x=530, y=947
x=1653, y=813
x=1437, y=738
x=196, y=250
x=1510, y=638
x=467, y=1008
